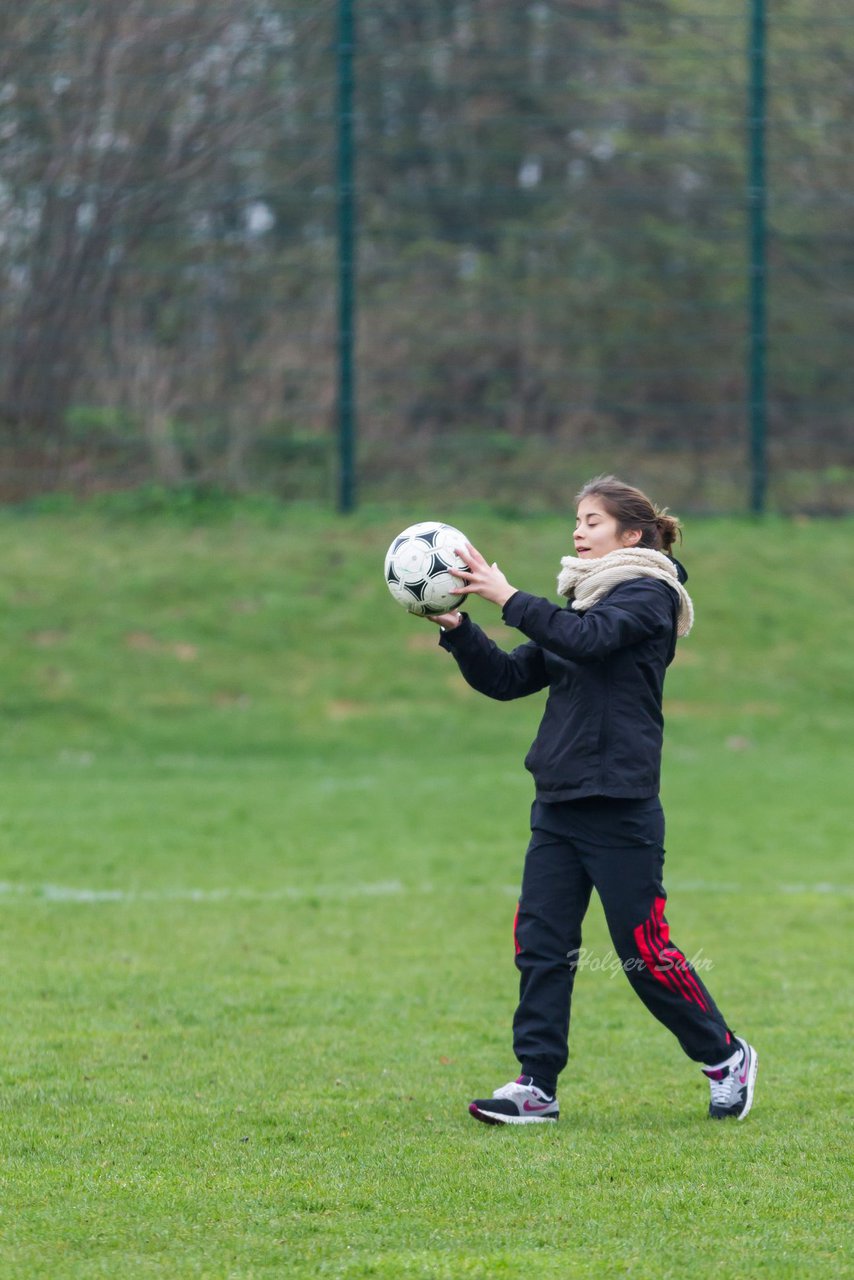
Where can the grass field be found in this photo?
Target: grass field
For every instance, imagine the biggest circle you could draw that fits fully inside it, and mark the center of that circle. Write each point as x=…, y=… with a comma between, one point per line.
x=260, y=849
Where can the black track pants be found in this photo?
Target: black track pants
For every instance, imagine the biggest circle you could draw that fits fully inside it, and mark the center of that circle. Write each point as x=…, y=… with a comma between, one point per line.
x=616, y=847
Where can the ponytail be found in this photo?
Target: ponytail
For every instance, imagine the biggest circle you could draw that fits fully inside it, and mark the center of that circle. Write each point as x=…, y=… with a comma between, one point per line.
x=669, y=529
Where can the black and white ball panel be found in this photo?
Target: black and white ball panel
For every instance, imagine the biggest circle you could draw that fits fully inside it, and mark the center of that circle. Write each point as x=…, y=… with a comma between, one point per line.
x=417, y=563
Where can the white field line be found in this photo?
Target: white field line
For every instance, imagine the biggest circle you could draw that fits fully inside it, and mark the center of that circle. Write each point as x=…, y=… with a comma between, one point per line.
x=73, y=894
x=342, y=892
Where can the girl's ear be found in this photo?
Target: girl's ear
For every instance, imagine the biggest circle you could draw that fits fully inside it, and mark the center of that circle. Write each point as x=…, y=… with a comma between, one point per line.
x=632, y=537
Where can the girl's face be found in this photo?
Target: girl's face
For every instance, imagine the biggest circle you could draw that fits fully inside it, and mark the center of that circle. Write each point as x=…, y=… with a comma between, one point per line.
x=596, y=532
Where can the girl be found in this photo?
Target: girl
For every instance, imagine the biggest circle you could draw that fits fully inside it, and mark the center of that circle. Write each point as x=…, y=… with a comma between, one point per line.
x=596, y=821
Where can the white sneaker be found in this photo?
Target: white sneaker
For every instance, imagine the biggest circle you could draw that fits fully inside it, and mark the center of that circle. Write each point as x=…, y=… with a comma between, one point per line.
x=518, y=1102
x=732, y=1084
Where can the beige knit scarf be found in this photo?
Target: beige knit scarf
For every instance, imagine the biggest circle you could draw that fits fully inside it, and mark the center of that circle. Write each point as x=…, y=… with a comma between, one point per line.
x=585, y=582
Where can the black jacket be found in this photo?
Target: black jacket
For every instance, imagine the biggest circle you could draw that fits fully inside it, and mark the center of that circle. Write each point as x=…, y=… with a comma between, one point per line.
x=601, y=731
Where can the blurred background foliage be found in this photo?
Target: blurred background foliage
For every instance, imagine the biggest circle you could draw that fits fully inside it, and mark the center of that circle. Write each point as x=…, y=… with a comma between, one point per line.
x=552, y=248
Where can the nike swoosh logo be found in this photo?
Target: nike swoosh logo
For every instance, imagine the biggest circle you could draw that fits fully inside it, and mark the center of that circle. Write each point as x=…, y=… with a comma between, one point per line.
x=536, y=1106
x=742, y=1079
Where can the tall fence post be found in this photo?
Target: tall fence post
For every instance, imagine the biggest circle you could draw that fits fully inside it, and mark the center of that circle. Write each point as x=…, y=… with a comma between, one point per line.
x=758, y=277
x=346, y=262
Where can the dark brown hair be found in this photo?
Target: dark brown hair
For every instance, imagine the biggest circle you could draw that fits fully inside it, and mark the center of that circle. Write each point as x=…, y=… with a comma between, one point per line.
x=632, y=509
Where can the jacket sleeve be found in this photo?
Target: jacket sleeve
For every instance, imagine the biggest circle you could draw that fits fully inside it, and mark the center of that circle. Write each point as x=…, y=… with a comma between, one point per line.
x=632, y=612
x=491, y=670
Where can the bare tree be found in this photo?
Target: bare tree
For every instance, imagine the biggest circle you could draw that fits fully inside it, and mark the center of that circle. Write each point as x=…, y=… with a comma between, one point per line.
x=110, y=113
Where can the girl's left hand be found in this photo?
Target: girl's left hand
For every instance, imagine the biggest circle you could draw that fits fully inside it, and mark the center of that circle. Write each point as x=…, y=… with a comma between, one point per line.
x=482, y=579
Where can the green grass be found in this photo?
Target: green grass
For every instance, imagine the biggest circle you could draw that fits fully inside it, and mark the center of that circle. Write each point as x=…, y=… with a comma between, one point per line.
x=260, y=848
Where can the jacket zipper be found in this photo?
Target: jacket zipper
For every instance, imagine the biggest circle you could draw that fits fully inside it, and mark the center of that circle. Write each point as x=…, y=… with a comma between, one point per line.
x=604, y=728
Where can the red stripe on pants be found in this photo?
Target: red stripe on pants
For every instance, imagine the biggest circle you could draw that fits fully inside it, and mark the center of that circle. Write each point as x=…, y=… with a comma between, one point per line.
x=653, y=943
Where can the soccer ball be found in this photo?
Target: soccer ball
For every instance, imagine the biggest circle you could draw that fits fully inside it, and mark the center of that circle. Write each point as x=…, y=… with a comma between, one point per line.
x=416, y=567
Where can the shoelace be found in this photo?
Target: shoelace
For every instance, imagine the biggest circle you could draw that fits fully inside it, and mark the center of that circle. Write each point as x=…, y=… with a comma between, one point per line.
x=514, y=1089
x=722, y=1091
x=509, y=1090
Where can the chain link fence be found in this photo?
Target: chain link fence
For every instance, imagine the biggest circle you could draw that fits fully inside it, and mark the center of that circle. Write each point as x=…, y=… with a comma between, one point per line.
x=552, y=225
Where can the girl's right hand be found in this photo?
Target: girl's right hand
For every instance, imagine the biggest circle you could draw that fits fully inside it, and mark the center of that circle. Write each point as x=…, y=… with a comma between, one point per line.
x=450, y=621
